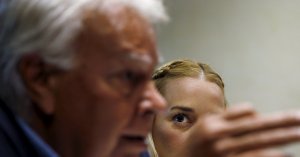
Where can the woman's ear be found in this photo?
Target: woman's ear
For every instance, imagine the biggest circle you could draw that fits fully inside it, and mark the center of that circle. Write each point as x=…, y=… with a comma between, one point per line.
x=39, y=80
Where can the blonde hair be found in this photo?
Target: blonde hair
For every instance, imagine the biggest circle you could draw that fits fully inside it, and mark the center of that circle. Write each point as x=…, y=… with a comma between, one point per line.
x=179, y=69
x=185, y=68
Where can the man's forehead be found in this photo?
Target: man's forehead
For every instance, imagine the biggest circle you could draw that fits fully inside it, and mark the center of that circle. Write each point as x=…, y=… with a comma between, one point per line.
x=133, y=44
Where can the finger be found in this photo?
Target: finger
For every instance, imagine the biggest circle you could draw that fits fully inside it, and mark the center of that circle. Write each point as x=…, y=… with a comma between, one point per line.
x=259, y=140
x=263, y=153
x=259, y=123
x=238, y=111
x=216, y=126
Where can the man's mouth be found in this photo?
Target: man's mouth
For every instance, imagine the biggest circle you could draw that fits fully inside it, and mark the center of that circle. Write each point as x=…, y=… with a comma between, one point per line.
x=130, y=145
x=134, y=143
x=134, y=138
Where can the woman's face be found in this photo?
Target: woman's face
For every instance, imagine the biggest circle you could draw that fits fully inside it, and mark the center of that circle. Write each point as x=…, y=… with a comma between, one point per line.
x=188, y=100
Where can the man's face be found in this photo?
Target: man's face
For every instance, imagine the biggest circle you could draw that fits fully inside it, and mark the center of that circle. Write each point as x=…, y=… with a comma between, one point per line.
x=104, y=104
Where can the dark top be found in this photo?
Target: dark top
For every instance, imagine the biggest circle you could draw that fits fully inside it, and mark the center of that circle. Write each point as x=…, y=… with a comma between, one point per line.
x=144, y=154
x=13, y=140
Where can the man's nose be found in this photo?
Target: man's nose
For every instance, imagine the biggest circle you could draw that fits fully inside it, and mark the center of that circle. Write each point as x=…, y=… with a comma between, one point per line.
x=152, y=101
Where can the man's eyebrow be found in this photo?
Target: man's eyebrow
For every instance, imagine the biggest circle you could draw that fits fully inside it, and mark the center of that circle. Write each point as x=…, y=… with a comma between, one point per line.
x=143, y=60
x=183, y=108
x=139, y=57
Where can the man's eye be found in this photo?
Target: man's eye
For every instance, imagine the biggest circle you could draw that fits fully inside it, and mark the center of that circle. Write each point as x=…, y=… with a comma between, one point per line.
x=180, y=118
x=130, y=76
x=127, y=81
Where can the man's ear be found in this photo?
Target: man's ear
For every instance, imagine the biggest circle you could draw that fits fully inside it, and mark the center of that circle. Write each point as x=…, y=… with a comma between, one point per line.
x=39, y=81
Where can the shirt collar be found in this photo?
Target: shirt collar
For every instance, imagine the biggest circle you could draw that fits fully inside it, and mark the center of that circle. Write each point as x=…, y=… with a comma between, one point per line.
x=42, y=148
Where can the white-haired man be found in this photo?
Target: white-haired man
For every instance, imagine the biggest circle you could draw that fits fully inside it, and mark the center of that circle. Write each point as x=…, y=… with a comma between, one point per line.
x=77, y=75
x=75, y=81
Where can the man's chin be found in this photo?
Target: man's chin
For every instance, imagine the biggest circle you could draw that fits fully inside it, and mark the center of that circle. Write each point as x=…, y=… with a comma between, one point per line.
x=129, y=148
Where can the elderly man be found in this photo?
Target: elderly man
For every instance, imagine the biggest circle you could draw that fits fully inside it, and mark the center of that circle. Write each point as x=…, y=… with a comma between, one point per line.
x=75, y=80
x=76, y=75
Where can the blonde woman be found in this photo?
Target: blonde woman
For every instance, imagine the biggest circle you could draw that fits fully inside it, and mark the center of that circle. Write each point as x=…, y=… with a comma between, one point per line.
x=196, y=123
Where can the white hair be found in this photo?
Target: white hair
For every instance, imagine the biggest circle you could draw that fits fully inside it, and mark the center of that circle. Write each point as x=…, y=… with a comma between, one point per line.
x=47, y=27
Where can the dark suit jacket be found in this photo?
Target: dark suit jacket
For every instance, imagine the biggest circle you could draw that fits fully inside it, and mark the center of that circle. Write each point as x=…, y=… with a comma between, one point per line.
x=13, y=141
x=144, y=154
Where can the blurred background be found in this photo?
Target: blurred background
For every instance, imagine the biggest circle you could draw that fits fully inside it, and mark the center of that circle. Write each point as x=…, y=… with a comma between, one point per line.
x=253, y=44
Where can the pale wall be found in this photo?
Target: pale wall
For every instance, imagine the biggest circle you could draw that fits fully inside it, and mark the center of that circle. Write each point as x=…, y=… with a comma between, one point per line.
x=253, y=44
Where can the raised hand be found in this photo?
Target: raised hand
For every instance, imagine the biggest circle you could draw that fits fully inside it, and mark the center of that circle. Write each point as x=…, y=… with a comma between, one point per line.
x=241, y=132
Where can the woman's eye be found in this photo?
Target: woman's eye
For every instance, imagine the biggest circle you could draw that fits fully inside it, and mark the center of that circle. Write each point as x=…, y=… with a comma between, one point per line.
x=180, y=118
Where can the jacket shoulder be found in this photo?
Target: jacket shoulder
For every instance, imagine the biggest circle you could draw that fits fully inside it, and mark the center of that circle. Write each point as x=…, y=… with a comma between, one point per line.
x=13, y=141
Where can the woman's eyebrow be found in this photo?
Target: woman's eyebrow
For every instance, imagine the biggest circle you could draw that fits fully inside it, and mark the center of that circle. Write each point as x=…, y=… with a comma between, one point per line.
x=183, y=108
